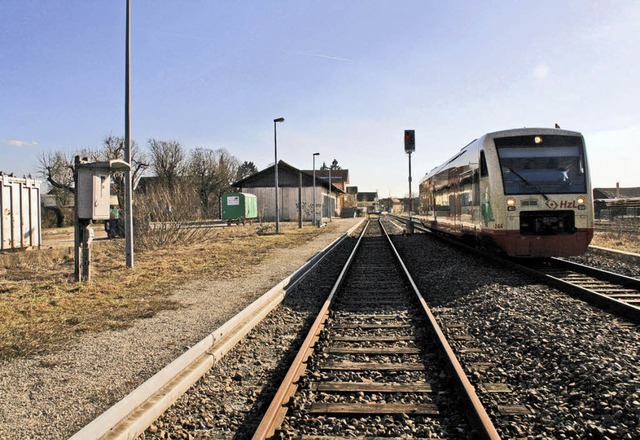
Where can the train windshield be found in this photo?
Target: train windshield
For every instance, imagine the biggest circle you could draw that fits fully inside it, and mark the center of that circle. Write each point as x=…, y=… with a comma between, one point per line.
x=542, y=164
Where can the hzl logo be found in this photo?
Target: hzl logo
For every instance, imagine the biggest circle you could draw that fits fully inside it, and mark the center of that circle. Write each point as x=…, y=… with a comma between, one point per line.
x=564, y=204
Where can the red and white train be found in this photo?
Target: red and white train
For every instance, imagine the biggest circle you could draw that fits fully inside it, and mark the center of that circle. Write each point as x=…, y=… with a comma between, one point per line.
x=526, y=191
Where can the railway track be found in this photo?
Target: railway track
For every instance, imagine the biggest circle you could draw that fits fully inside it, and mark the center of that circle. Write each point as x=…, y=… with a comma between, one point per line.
x=616, y=292
x=375, y=362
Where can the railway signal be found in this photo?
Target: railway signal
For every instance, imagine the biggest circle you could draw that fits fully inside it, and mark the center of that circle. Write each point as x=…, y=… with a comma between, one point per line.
x=410, y=147
x=409, y=141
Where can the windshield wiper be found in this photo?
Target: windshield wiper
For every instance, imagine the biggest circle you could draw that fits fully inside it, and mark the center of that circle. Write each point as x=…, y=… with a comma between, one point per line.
x=529, y=184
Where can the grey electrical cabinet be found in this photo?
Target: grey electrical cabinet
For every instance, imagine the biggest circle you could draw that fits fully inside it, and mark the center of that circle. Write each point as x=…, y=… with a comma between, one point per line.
x=94, y=188
x=93, y=193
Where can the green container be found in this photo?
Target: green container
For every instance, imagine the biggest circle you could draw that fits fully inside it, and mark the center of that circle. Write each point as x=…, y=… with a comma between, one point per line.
x=239, y=206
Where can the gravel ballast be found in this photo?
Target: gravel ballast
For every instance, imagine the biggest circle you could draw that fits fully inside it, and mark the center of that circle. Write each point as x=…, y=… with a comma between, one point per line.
x=573, y=369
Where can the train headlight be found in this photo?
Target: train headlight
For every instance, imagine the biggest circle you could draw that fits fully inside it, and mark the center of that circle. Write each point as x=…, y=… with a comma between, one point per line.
x=511, y=204
x=581, y=203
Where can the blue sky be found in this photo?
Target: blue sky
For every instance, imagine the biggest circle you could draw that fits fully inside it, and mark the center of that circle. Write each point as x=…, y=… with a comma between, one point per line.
x=348, y=77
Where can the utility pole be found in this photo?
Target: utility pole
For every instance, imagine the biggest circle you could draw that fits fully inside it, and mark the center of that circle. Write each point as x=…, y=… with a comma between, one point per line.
x=128, y=193
x=275, y=153
x=330, y=195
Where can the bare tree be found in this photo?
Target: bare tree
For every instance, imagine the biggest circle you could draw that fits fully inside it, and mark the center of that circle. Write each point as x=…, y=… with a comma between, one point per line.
x=227, y=168
x=212, y=172
x=168, y=161
x=57, y=169
x=113, y=148
x=203, y=173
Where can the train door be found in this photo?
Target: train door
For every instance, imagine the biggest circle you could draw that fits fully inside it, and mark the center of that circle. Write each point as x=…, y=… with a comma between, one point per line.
x=486, y=212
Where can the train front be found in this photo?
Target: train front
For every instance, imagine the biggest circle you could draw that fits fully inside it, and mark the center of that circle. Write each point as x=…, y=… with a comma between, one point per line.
x=548, y=206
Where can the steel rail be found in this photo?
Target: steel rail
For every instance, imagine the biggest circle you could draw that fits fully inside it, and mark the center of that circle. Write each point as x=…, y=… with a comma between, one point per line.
x=132, y=415
x=615, y=253
x=479, y=416
x=277, y=410
x=589, y=294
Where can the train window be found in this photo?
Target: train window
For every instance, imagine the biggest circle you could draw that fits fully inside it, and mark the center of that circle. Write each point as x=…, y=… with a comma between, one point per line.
x=484, y=171
x=554, y=165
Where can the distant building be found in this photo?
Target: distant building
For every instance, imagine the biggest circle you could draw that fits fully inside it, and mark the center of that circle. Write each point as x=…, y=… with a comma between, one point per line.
x=293, y=185
x=368, y=201
x=616, y=193
x=339, y=178
x=415, y=204
x=393, y=205
x=611, y=203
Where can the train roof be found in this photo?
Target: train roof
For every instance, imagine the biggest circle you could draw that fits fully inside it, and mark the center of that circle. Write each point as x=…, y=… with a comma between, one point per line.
x=531, y=131
x=500, y=134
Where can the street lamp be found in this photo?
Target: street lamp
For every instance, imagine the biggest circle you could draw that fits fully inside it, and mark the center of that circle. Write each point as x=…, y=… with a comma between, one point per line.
x=330, y=194
x=275, y=148
x=314, y=188
x=128, y=188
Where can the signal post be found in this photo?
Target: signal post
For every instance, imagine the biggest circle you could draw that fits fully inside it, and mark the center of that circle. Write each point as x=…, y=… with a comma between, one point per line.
x=410, y=147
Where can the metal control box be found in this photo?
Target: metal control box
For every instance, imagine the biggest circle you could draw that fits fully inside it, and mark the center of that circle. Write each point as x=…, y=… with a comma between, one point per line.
x=93, y=193
x=93, y=187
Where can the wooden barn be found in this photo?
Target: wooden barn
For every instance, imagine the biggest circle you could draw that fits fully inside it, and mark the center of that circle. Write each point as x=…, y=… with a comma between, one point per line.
x=295, y=193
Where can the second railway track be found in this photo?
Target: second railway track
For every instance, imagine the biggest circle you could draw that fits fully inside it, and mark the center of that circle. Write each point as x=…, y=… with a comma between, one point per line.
x=606, y=289
x=611, y=291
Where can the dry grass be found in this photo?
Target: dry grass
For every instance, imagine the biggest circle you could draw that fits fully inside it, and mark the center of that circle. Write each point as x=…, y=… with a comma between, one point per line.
x=42, y=308
x=621, y=241
x=621, y=234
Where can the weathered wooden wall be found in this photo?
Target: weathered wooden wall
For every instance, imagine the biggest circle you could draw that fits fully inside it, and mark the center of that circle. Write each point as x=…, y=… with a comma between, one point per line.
x=288, y=201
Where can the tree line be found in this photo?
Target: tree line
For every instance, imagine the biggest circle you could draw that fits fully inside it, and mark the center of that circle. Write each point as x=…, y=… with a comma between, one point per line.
x=168, y=179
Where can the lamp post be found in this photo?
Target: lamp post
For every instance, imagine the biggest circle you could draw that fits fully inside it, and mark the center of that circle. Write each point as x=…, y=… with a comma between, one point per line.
x=330, y=194
x=128, y=188
x=275, y=149
x=314, y=188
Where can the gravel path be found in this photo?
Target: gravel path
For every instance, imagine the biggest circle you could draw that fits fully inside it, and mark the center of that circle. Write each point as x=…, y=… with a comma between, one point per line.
x=53, y=396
